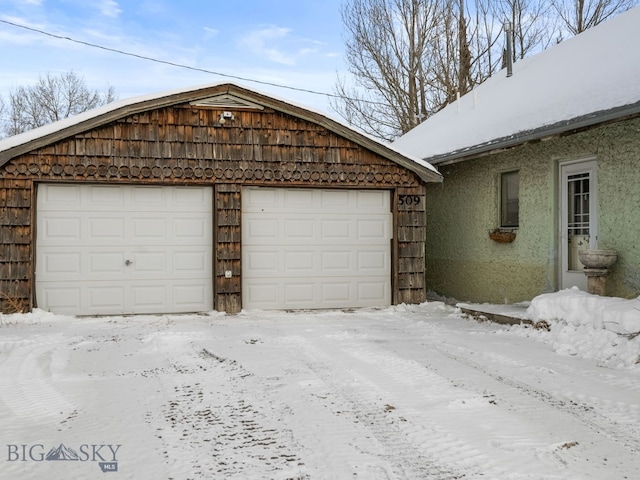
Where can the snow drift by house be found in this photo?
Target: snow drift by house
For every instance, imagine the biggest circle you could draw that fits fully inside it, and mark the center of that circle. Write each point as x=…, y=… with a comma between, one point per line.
x=606, y=329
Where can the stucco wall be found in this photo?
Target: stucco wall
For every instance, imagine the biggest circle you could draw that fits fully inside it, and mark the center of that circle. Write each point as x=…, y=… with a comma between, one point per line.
x=619, y=204
x=464, y=263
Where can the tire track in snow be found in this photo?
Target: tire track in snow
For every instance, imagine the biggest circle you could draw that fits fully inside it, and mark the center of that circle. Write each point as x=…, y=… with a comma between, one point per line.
x=26, y=379
x=460, y=450
x=626, y=435
x=406, y=452
x=454, y=434
x=621, y=413
x=221, y=429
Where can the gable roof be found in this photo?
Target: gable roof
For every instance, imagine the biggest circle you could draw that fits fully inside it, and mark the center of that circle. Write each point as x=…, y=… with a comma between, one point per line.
x=226, y=95
x=586, y=80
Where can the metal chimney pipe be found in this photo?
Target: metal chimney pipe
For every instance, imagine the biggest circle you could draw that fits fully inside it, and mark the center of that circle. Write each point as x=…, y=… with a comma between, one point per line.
x=508, y=30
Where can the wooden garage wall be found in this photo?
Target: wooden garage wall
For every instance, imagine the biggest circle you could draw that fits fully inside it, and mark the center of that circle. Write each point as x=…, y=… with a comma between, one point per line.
x=186, y=145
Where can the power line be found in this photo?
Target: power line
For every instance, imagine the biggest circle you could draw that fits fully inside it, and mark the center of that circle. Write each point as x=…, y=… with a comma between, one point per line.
x=174, y=64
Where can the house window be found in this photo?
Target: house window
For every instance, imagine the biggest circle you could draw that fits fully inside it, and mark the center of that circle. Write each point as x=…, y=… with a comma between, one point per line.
x=509, y=199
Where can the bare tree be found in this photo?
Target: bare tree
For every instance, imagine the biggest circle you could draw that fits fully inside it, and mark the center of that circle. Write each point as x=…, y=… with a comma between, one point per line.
x=408, y=59
x=50, y=99
x=463, y=49
x=577, y=16
x=388, y=50
x=532, y=21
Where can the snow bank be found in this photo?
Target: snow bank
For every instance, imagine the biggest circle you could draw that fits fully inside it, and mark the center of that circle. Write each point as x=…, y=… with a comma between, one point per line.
x=606, y=329
x=33, y=317
x=578, y=308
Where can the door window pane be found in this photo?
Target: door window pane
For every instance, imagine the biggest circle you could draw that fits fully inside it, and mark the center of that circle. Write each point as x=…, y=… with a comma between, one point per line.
x=578, y=220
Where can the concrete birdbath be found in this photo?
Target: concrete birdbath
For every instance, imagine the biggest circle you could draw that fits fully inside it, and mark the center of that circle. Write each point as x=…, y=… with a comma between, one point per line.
x=596, y=267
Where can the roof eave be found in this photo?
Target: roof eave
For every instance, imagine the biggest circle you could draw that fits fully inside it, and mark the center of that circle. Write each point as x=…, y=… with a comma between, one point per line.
x=547, y=131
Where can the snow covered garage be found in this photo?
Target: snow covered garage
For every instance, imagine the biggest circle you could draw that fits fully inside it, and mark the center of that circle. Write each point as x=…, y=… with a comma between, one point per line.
x=216, y=197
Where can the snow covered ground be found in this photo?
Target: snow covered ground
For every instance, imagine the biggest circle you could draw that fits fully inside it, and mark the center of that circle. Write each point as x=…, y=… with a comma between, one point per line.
x=407, y=392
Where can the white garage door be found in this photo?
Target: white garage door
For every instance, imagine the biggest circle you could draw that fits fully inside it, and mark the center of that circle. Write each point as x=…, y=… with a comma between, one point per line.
x=123, y=249
x=313, y=248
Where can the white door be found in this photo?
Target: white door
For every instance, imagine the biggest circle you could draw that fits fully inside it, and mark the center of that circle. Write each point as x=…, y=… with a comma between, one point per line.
x=578, y=226
x=113, y=249
x=313, y=248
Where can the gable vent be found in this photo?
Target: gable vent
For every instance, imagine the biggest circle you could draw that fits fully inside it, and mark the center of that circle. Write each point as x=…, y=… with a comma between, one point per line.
x=226, y=101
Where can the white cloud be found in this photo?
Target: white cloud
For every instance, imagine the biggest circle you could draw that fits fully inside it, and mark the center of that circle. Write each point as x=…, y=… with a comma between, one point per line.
x=210, y=32
x=261, y=43
x=109, y=8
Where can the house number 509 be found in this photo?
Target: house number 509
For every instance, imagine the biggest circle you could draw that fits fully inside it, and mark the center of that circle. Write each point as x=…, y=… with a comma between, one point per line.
x=408, y=200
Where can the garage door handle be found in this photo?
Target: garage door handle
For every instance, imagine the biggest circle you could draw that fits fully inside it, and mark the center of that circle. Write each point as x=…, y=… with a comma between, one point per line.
x=128, y=262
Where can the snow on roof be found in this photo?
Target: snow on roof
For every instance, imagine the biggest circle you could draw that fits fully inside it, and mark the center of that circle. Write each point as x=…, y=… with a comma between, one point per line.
x=92, y=117
x=595, y=71
x=50, y=128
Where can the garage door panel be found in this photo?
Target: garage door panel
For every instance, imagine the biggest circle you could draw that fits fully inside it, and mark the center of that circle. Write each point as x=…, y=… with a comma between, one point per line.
x=195, y=263
x=145, y=228
x=151, y=196
x=190, y=295
x=373, y=229
x=187, y=196
x=336, y=261
x=60, y=299
x=310, y=261
x=144, y=263
x=310, y=248
x=150, y=298
x=334, y=201
x=103, y=298
x=61, y=263
x=299, y=294
x=336, y=291
x=299, y=262
x=61, y=228
x=190, y=229
x=59, y=196
x=373, y=200
x=264, y=293
x=259, y=230
x=103, y=196
x=150, y=252
x=298, y=198
x=373, y=262
x=106, y=229
x=336, y=229
x=262, y=262
x=372, y=290
x=299, y=229
x=259, y=199
x=321, y=229
x=104, y=263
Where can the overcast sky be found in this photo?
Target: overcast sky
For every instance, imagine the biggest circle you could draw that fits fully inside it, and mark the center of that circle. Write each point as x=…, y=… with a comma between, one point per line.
x=296, y=43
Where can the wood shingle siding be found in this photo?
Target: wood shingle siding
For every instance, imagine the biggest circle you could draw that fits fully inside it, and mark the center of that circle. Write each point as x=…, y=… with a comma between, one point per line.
x=183, y=144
